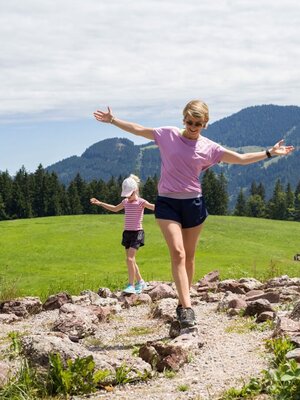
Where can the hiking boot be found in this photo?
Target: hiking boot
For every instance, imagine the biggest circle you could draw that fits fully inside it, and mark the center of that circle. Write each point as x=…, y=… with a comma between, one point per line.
x=187, y=318
x=179, y=309
x=129, y=289
x=140, y=286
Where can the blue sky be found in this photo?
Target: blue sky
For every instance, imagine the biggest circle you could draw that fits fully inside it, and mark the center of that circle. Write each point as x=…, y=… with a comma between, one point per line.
x=60, y=60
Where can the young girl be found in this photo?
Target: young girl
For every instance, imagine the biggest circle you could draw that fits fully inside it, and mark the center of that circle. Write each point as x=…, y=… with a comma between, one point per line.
x=133, y=234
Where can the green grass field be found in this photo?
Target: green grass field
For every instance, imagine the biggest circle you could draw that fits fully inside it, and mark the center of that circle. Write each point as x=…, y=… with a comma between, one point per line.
x=45, y=255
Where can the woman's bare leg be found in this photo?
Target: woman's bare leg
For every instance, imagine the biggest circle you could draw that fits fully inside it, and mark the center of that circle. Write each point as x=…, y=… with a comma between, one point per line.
x=190, y=241
x=172, y=232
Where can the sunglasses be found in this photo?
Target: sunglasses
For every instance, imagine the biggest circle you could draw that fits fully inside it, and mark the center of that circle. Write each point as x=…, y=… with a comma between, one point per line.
x=196, y=124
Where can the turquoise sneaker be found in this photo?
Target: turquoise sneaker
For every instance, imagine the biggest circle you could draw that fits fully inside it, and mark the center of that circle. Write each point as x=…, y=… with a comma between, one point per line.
x=129, y=289
x=140, y=286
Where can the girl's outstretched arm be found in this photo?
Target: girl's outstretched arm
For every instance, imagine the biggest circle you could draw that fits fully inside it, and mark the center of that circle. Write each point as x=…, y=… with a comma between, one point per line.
x=232, y=157
x=131, y=127
x=150, y=206
x=109, y=207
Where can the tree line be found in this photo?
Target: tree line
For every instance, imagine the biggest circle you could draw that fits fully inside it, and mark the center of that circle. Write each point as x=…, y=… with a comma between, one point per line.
x=41, y=194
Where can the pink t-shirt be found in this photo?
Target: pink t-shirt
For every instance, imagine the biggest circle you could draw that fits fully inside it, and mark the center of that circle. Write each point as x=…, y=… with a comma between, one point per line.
x=182, y=160
x=134, y=212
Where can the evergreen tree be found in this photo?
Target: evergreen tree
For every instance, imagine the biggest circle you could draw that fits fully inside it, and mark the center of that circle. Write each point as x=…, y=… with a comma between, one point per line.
x=114, y=189
x=215, y=193
x=99, y=190
x=253, y=188
x=261, y=191
x=290, y=203
x=277, y=204
x=209, y=190
x=255, y=206
x=222, y=196
x=74, y=199
x=39, y=192
x=149, y=190
x=3, y=215
x=240, y=207
x=297, y=203
x=6, y=187
x=53, y=195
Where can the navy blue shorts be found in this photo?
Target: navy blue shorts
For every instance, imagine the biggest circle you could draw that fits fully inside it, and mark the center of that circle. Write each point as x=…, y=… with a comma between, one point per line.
x=188, y=212
x=134, y=239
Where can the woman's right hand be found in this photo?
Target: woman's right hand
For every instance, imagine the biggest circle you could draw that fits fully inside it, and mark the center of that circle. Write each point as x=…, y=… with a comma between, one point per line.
x=102, y=116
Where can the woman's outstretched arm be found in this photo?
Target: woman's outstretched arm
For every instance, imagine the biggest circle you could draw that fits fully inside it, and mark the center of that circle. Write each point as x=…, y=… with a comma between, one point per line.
x=232, y=157
x=131, y=127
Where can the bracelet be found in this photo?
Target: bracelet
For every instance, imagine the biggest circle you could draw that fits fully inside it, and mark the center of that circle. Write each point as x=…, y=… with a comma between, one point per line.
x=112, y=120
x=268, y=154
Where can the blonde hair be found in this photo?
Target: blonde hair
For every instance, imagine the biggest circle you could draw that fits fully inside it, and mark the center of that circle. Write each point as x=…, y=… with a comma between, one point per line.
x=136, y=178
x=196, y=109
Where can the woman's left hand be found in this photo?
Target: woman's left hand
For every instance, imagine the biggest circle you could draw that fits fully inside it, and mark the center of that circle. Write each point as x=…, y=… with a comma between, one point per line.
x=280, y=150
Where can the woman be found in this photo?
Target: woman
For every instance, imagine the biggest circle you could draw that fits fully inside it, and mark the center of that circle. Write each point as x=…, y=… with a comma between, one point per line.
x=180, y=208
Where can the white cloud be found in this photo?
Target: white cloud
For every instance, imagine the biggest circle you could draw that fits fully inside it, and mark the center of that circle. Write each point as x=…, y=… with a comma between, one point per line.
x=63, y=58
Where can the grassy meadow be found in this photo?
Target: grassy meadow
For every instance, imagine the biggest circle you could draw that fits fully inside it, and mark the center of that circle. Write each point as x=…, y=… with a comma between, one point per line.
x=45, y=255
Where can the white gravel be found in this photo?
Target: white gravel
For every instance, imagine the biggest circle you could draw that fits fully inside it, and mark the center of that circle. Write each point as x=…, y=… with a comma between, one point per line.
x=227, y=359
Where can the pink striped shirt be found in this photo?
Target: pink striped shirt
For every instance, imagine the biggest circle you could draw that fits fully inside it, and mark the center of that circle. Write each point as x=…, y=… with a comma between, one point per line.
x=134, y=212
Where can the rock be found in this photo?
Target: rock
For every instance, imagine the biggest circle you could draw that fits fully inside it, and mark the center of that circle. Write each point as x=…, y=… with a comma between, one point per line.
x=164, y=356
x=272, y=297
x=104, y=292
x=295, y=314
x=213, y=276
x=227, y=298
x=57, y=300
x=283, y=280
x=188, y=339
x=293, y=355
x=22, y=307
x=136, y=366
x=295, y=339
x=76, y=321
x=237, y=303
x=256, y=307
x=102, y=313
x=37, y=349
x=265, y=316
x=136, y=300
x=249, y=284
x=165, y=309
x=286, y=327
x=162, y=291
x=231, y=285
x=8, y=318
x=5, y=373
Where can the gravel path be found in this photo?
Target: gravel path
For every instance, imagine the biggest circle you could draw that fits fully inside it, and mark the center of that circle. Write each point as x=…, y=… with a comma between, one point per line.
x=226, y=359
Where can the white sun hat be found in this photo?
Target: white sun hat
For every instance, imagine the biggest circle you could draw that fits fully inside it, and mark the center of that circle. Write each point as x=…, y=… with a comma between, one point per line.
x=129, y=185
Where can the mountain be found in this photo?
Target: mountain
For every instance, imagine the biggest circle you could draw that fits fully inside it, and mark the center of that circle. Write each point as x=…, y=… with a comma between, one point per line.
x=251, y=129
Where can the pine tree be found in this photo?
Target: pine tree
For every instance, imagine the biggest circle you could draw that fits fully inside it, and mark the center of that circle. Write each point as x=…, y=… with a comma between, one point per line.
x=277, y=204
x=209, y=190
x=255, y=206
x=39, y=192
x=240, y=207
x=290, y=203
x=74, y=199
x=3, y=215
x=6, y=187
x=297, y=203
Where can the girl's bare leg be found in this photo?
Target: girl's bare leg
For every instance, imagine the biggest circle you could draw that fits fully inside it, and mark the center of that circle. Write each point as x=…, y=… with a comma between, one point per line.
x=130, y=260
